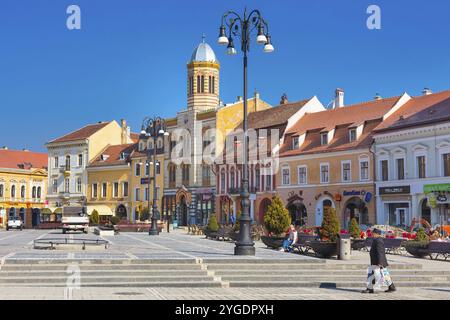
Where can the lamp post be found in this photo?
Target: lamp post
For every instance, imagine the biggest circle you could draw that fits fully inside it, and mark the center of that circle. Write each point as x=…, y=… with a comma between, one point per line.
x=235, y=26
x=152, y=128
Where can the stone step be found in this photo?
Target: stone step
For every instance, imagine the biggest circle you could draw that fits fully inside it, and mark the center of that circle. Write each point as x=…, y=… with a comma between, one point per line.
x=12, y=261
x=63, y=267
x=329, y=272
x=331, y=278
x=327, y=266
x=331, y=284
x=274, y=261
x=63, y=273
x=108, y=279
x=179, y=284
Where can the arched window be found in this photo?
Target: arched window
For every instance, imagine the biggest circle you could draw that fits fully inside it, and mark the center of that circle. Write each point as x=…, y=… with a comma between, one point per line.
x=67, y=162
x=1, y=191
x=22, y=192
x=232, y=178
x=33, y=192
x=257, y=178
x=203, y=84
x=198, y=84
x=13, y=192
x=222, y=181
x=39, y=192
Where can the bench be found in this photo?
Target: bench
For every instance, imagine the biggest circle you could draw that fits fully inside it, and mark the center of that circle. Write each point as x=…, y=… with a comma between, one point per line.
x=391, y=245
x=302, y=244
x=439, y=248
x=224, y=233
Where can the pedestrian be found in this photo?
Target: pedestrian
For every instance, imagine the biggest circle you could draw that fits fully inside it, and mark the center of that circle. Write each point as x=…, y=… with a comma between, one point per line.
x=292, y=238
x=378, y=264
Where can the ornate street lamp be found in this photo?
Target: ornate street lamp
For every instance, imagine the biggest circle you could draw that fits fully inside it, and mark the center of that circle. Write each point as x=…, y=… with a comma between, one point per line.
x=153, y=128
x=235, y=26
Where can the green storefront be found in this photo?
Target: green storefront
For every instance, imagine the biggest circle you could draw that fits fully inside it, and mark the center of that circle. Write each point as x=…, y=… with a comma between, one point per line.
x=439, y=197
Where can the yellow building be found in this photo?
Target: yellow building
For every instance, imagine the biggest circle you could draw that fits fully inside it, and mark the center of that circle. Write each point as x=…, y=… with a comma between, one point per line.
x=23, y=186
x=108, y=190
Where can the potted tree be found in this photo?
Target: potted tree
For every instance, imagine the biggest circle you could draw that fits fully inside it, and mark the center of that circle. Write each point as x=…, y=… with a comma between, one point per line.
x=212, y=227
x=276, y=221
x=418, y=246
x=355, y=232
x=327, y=246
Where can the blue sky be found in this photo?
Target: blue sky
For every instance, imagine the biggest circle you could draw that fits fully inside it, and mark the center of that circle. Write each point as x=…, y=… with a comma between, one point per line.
x=129, y=59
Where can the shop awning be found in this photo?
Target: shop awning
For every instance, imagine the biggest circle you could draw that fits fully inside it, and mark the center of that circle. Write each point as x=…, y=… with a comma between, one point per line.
x=429, y=188
x=102, y=210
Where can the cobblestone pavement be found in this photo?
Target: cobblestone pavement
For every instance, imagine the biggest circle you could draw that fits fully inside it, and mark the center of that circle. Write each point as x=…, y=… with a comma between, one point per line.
x=33, y=293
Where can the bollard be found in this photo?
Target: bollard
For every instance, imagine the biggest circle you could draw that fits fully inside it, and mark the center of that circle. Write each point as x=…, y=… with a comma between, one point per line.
x=344, y=249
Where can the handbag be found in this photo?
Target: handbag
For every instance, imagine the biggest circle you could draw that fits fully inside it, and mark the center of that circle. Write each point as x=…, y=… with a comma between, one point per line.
x=374, y=277
x=386, y=277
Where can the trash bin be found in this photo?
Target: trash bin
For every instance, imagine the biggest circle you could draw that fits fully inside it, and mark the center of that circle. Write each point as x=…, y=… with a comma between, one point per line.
x=344, y=247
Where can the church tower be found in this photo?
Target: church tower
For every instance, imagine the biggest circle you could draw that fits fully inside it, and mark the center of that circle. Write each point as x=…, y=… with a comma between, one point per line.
x=203, y=78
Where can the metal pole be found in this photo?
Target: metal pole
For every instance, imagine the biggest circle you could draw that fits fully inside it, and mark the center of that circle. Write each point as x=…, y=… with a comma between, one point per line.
x=244, y=245
x=154, y=230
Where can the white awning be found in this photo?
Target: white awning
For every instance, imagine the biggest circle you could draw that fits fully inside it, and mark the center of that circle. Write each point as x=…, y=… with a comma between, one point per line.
x=102, y=210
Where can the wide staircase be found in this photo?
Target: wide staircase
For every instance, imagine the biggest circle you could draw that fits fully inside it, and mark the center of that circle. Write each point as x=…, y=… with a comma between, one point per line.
x=232, y=272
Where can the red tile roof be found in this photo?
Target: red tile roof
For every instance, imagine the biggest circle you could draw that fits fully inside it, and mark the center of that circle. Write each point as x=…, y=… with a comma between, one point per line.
x=419, y=111
x=14, y=159
x=82, y=133
x=134, y=137
x=113, y=153
x=274, y=116
x=341, y=119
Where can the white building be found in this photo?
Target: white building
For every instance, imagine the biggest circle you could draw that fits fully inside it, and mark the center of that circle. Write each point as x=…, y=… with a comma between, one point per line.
x=412, y=148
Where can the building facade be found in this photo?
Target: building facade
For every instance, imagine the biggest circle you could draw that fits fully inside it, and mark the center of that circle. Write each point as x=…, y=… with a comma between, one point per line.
x=412, y=150
x=69, y=156
x=23, y=186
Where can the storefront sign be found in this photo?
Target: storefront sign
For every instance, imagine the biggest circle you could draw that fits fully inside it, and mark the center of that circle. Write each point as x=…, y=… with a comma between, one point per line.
x=395, y=190
x=368, y=197
x=145, y=180
x=441, y=198
x=354, y=193
x=429, y=188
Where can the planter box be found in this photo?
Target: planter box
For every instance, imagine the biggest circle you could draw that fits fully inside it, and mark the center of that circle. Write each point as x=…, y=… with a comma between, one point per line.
x=324, y=249
x=273, y=242
x=358, y=244
x=416, y=249
x=104, y=232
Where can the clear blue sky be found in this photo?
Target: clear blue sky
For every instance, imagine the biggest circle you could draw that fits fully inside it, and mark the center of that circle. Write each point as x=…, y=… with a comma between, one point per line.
x=129, y=58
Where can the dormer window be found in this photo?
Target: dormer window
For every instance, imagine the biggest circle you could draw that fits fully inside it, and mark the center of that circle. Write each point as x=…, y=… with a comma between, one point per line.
x=123, y=155
x=104, y=157
x=352, y=135
x=295, y=144
x=141, y=146
x=324, y=138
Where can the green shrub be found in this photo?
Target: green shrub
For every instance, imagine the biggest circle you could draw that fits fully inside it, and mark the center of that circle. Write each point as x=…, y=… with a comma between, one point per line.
x=277, y=218
x=354, y=229
x=144, y=215
x=213, y=226
x=422, y=236
x=330, y=225
x=94, y=217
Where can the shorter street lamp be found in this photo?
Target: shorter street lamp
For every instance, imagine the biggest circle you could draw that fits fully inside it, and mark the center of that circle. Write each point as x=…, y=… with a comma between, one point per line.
x=153, y=128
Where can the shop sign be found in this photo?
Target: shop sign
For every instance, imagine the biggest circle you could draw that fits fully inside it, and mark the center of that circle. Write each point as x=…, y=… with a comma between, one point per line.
x=145, y=180
x=429, y=188
x=441, y=198
x=368, y=197
x=354, y=193
x=395, y=190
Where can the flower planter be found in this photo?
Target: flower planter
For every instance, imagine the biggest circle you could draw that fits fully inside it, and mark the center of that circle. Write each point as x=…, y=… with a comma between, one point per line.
x=358, y=244
x=273, y=242
x=324, y=249
x=418, y=250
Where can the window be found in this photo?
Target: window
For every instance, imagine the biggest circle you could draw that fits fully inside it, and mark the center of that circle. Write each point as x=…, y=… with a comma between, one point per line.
x=268, y=182
x=104, y=189
x=210, y=85
x=286, y=176
x=364, y=169
x=79, y=184
x=146, y=194
x=157, y=192
x=352, y=135
x=94, y=190
x=198, y=84
x=80, y=160
x=203, y=84
x=206, y=173
x=137, y=170
x=257, y=179
x=324, y=138
x=67, y=162
x=67, y=185
x=147, y=169
x=172, y=174
x=324, y=173
x=22, y=192
x=55, y=162
x=446, y=160
x=346, y=171
x=2, y=190
x=185, y=173
x=33, y=192
x=191, y=85
x=39, y=192
x=222, y=181
x=55, y=186
x=421, y=167
x=400, y=168
x=158, y=167
x=384, y=170
x=116, y=190
x=125, y=189
x=13, y=191
x=295, y=143
x=137, y=194
x=232, y=179
x=302, y=179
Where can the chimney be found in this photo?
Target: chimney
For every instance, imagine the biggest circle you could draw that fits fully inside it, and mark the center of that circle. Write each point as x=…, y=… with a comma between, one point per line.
x=426, y=91
x=377, y=97
x=284, y=99
x=339, y=98
x=124, y=133
x=25, y=149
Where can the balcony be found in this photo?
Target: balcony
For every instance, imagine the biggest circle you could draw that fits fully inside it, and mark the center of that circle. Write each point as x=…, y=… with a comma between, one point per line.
x=65, y=170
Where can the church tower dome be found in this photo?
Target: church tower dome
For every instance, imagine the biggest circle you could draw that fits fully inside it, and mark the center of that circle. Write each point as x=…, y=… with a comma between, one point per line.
x=203, y=78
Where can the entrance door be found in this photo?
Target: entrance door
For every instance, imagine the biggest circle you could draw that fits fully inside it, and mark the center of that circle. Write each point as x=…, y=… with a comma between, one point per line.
x=401, y=216
x=36, y=217
x=183, y=213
